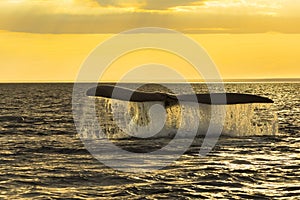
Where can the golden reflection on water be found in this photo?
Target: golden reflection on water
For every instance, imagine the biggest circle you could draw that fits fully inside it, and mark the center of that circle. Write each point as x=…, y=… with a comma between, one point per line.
x=43, y=157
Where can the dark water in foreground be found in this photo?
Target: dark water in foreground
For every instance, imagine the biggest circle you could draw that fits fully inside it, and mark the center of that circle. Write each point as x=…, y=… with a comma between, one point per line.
x=42, y=157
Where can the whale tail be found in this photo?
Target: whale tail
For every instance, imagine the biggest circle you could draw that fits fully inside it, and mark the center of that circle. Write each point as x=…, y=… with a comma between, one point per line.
x=125, y=94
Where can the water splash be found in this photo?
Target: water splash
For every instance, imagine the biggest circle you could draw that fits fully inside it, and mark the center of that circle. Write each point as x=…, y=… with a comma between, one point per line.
x=120, y=119
x=250, y=119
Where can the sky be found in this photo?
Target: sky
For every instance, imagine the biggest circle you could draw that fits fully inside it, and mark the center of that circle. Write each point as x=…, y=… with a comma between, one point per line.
x=48, y=40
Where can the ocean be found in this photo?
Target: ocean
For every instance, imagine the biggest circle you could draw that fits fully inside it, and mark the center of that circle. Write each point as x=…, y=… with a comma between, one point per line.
x=43, y=156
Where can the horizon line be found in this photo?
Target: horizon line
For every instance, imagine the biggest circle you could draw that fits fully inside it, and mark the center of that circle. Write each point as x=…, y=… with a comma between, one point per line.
x=230, y=80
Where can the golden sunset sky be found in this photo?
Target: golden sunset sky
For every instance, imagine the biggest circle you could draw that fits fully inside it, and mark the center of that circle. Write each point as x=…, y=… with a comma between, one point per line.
x=48, y=40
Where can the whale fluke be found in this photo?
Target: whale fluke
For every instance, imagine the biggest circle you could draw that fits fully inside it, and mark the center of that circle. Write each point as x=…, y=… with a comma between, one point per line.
x=120, y=93
x=111, y=91
x=226, y=98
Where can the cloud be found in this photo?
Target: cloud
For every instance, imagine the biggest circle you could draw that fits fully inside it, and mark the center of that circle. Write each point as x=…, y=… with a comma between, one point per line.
x=87, y=16
x=148, y=4
x=166, y=4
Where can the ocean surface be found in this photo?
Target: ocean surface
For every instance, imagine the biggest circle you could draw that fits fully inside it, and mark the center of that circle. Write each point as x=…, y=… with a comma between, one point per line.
x=43, y=157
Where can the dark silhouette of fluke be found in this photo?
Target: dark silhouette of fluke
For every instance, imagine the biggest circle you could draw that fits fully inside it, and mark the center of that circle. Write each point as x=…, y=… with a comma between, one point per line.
x=111, y=91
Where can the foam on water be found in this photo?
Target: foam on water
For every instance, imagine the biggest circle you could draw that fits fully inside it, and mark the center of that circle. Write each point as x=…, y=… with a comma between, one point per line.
x=121, y=119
